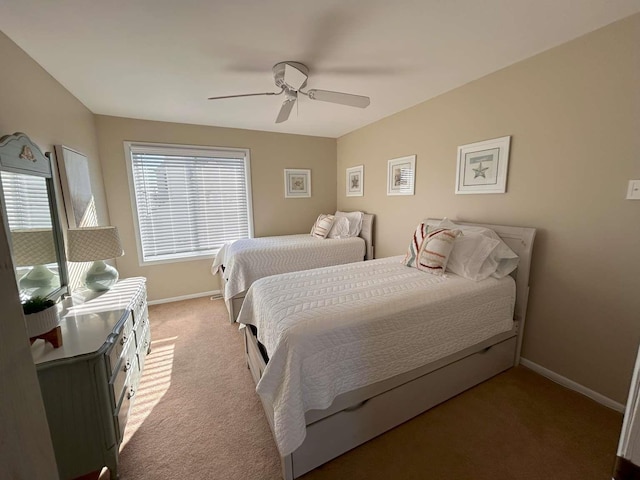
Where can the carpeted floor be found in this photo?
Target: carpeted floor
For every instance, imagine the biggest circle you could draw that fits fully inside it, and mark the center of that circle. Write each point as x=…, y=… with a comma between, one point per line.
x=197, y=417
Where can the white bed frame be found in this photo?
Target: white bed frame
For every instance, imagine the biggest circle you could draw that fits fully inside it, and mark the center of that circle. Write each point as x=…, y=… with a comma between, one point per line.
x=358, y=416
x=234, y=303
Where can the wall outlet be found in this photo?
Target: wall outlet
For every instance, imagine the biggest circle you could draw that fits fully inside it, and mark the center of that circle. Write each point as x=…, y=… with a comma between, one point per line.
x=633, y=192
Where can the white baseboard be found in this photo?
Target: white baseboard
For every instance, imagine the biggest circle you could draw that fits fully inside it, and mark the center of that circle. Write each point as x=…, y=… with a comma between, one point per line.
x=186, y=297
x=570, y=384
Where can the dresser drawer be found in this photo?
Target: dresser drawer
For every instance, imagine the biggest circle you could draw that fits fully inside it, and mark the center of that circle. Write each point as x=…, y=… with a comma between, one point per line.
x=119, y=344
x=143, y=347
x=122, y=413
x=127, y=363
x=126, y=402
x=139, y=307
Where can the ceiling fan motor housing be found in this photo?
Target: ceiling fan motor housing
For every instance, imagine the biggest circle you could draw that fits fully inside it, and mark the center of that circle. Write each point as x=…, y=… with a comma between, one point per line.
x=278, y=73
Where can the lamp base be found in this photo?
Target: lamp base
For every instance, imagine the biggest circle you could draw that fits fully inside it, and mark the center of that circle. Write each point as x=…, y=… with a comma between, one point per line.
x=38, y=277
x=100, y=277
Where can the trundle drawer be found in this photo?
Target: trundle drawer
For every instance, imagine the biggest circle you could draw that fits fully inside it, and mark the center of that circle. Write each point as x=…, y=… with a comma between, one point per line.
x=374, y=416
x=253, y=356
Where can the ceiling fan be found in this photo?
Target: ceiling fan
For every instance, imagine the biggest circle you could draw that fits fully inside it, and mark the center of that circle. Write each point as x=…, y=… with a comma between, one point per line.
x=291, y=78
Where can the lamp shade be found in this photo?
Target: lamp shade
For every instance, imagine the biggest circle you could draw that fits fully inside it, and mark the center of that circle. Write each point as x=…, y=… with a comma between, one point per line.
x=93, y=243
x=34, y=246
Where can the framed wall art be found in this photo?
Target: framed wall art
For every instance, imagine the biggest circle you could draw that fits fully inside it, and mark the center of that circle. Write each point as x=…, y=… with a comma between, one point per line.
x=401, y=175
x=297, y=183
x=79, y=203
x=355, y=181
x=482, y=166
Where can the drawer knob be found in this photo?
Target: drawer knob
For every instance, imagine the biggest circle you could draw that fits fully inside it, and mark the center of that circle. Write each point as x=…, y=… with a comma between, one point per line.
x=123, y=340
x=131, y=393
x=127, y=366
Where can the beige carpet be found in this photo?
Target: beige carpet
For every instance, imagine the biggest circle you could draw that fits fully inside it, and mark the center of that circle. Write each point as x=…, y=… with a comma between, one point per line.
x=197, y=417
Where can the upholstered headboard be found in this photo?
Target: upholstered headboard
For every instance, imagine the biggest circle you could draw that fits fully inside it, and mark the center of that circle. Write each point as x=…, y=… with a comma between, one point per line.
x=367, y=234
x=520, y=240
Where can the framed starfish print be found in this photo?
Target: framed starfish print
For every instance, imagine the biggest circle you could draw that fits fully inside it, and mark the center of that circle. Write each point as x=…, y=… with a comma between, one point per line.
x=482, y=166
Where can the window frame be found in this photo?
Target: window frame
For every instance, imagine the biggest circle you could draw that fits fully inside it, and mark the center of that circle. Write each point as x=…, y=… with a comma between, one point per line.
x=196, y=150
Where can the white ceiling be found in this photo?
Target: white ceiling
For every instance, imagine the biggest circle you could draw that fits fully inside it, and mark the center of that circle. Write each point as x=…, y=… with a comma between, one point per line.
x=161, y=59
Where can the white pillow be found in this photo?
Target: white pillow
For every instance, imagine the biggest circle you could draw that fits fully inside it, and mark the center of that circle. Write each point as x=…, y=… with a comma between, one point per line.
x=479, y=253
x=355, y=221
x=340, y=228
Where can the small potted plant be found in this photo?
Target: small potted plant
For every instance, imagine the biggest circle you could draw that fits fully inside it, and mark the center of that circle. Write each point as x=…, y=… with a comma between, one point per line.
x=41, y=315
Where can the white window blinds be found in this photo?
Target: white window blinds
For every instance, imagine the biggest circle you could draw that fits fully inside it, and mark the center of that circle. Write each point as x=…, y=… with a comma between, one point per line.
x=189, y=200
x=26, y=201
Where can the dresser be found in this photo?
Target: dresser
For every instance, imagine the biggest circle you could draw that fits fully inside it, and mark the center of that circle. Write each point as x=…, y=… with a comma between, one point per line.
x=89, y=383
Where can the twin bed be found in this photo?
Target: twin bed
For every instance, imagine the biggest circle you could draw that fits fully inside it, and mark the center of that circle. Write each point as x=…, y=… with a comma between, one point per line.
x=243, y=262
x=343, y=353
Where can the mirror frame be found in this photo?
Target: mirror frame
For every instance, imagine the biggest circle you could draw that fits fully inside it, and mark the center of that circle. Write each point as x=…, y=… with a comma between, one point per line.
x=18, y=154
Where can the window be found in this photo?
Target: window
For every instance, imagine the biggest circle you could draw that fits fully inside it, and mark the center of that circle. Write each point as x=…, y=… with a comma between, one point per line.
x=188, y=201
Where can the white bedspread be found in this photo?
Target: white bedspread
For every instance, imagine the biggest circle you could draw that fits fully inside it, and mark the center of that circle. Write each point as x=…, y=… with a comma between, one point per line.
x=247, y=260
x=333, y=330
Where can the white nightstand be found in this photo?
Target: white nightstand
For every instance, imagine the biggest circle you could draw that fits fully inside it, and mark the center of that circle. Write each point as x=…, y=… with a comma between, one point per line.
x=89, y=383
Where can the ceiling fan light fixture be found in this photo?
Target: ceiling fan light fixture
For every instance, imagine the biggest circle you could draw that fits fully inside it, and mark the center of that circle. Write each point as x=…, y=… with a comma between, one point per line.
x=291, y=78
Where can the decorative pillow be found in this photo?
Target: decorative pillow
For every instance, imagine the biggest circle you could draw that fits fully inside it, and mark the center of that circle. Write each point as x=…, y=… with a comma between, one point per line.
x=340, y=228
x=355, y=221
x=411, y=258
x=479, y=253
x=430, y=248
x=322, y=226
x=435, y=249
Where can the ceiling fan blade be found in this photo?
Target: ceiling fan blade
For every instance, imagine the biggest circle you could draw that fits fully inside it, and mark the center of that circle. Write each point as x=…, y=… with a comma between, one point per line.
x=245, y=95
x=285, y=110
x=338, y=97
x=293, y=77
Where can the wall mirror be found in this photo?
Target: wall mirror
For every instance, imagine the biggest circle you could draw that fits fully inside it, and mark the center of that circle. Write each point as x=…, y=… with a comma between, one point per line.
x=30, y=215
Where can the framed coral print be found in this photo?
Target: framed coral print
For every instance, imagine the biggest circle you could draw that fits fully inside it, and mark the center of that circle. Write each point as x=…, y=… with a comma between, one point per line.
x=297, y=183
x=355, y=181
x=482, y=166
x=401, y=175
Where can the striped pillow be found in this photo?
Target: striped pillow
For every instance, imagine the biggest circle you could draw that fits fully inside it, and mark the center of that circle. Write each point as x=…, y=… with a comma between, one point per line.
x=435, y=249
x=410, y=260
x=322, y=226
x=430, y=248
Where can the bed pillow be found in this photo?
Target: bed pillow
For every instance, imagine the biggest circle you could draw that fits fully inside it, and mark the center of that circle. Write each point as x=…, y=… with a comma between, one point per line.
x=355, y=221
x=479, y=253
x=322, y=226
x=430, y=248
x=340, y=228
x=435, y=250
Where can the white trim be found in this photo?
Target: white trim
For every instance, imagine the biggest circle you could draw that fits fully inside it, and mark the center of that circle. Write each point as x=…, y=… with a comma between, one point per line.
x=186, y=297
x=570, y=384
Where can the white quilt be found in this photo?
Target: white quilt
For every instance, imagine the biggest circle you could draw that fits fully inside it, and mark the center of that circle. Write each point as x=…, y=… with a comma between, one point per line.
x=332, y=330
x=249, y=259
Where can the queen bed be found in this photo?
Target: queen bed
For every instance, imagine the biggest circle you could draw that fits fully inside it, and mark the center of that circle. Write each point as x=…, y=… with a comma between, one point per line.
x=342, y=354
x=242, y=262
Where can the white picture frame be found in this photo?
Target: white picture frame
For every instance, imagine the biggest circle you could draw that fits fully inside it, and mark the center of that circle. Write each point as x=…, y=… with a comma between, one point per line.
x=75, y=180
x=297, y=183
x=401, y=175
x=355, y=181
x=482, y=166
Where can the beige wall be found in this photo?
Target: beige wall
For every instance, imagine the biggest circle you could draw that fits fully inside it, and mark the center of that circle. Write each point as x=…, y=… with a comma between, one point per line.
x=271, y=153
x=573, y=114
x=33, y=102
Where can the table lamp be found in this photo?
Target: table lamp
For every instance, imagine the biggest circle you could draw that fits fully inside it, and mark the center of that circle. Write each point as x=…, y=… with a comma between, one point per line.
x=35, y=248
x=95, y=244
